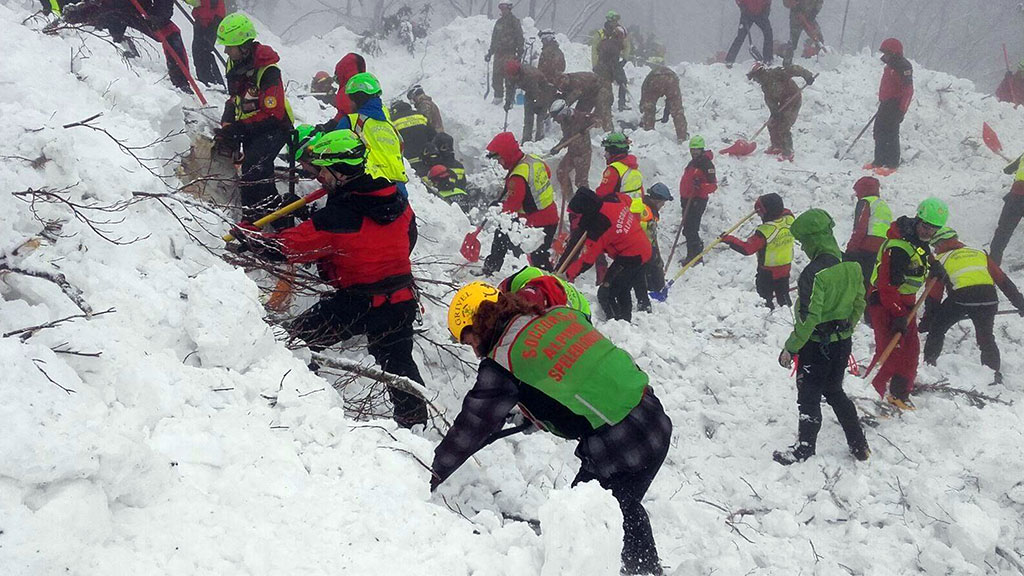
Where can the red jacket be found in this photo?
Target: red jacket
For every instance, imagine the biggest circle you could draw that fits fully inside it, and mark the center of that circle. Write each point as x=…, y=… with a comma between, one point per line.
x=516, y=198
x=859, y=239
x=699, y=179
x=269, y=105
x=614, y=230
x=349, y=65
x=754, y=7
x=890, y=274
x=610, y=179
x=1011, y=89
x=897, y=83
x=209, y=12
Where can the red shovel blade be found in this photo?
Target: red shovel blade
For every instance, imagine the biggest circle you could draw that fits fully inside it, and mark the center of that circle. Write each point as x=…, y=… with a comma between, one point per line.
x=470, y=249
x=991, y=139
x=558, y=246
x=740, y=148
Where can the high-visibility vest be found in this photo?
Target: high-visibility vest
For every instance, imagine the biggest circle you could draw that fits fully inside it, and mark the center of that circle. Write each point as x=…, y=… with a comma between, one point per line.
x=915, y=275
x=880, y=217
x=631, y=183
x=1019, y=177
x=454, y=191
x=538, y=184
x=778, y=250
x=248, y=104
x=967, y=267
x=383, y=147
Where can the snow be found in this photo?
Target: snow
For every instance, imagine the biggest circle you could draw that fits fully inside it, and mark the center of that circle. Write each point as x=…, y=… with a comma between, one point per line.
x=196, y=442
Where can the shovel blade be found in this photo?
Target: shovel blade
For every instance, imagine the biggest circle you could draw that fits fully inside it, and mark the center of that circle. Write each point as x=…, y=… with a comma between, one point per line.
x=470, y=249
x=991, y=139
x=739, y=148
x=660, y=295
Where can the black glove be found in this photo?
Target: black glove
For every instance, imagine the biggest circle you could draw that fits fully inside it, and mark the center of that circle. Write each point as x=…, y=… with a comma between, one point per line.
x=810, y=80
x=487, y=57
x=899, y=324
x=937, y=271
x=665, y=115
x=434, y=482
x=224, y=140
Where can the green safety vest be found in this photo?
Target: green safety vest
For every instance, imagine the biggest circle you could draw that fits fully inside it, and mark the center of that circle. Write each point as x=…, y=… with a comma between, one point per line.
x=538, y=184
x=918, y=271
x=560, y=354
x=1019, y=177
x=880, y=217
x=247, y=105
x=967, y=267
x=631, y=183
x=55, y=7
x=383, y=147
x=455, y=191
x=778, y=250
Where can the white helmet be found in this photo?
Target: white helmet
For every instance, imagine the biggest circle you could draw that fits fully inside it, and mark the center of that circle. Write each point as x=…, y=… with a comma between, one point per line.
x=558, y=108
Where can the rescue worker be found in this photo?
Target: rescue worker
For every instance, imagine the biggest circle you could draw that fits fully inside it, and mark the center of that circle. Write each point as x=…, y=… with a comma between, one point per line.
x=803, y=15
x=348, y=66
x=425, y=105
x=545, y=289
x=361, y=241
x=1012, y=212
x=784, y=98
x=506, y=46
x=529, y=195
x=753, y=12
x=773, y=244
x=206, y=17
x=585, y=92
x=322, y=87
x=612, y=227
x=698, y=182
x=660, y=82
x=256, y=115
x=655, y=199
x=900, y=272
x=573, y=169
x=445, y=184
x=830, y=302
x=415, y=131
x=116, y=16
x=552, y=61
x=970, y=278
x=609, y=51
x=622, y=175
x=871, y=220
x=1011, y=89
x=539, y=94
x=895, y=92
x=444, y=153
x=371, y=124
x=587, y=389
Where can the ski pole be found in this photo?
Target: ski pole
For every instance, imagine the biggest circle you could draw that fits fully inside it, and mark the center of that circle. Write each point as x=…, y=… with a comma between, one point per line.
x=879, y=361
x=159, y=35
x=283, y=211
x=679, y=232
x=192, y=21
x=857, y=139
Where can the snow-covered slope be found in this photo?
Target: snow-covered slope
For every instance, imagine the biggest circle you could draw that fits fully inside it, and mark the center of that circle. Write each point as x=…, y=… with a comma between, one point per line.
x=169, y=458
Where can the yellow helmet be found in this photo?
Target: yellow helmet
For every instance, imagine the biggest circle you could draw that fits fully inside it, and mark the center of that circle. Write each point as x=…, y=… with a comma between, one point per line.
x=465, y=304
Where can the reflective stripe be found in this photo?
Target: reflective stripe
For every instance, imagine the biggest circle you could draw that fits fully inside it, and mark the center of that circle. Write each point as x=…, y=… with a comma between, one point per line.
x=538, y=184
x=450, y=193
x=880, y=217
x=967, y=267
x=501, y=352
x=248, y=104
x=779, y=242
x=383, y=147
x=915, y=276
x=409, y=121
x=631, y=180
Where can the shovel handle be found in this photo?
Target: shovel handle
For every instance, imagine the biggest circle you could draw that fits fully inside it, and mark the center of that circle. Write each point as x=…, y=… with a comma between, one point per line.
x=283, y=211
x=572, y=255
x=714, y=243
x=784, y=106
x=857, y=139
x=880, y=361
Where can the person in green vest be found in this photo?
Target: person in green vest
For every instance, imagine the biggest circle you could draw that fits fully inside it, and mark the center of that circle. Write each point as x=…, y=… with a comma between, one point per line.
x=1012, y=212
x=546, y=289
x=970, y=279
x=571, y=381
x=871, y=220
x=773, y=244
x=373, y=125
x=830, y=302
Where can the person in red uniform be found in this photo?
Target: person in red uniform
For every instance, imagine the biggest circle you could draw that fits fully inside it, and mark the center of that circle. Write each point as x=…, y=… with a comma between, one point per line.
x=611, y=227
x=207, y=16
x=529, y=194
x=699, y=181
x=871, y=219
x=349, y=65
x=894, y=95
x=1011, y=89
x=360, y=242
x=622, y=175
x=773, y=244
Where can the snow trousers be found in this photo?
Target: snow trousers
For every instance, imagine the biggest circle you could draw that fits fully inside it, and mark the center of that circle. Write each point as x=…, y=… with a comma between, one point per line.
x=887, y=134
x=502, y=244
x=388, y=329
x=623, y=276
x=691, y=226
x=256, y=180
x=654, y=273
x=768, y=287
x=763, y=22
x=573, y=169
x=673, y=107
x=534, y=111
x=941, y=317
x=822, y=366
x=900, y=369
x=780, y=127
x=499, y=82
x=1009, y=218
x=801, y=19
x=203, y=54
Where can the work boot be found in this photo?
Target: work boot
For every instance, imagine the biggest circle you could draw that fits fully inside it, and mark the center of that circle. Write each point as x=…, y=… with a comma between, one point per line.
x=904, y=404
x=861, y=453
x=998, y=378
x=795, y=453
x=773, y=150
x=497, y=100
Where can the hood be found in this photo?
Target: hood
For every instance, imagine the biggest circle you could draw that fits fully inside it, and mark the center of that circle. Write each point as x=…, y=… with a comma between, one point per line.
x=507, y=149
x=866, y=186
x=373, y=108
x=585, y=201
x=770, y=206
x=264, y=55
x=813, y=230
x=627, y=159
x=905, y=227
x=349, y=65
x=709, y=154
x=892, y=46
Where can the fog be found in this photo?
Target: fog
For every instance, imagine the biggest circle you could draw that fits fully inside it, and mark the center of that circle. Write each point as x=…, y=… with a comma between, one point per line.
x=962, y=37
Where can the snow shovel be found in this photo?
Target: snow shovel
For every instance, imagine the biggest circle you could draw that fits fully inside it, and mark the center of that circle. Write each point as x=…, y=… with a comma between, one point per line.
x=662, y=295
x=283, y=211
x=880, y=360
x=857, y=139
x=743, y=147
x=470, y=249
x=991, y=139
x=572, y=255
x=753, y=49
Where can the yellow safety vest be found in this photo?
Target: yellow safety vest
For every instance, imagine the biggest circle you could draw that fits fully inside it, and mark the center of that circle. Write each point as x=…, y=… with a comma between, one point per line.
x=778, y=249
x=248, y=104
x=631, y=183
x=538, y=184
x=914, y=278
x=409, y=121
x=456, y=191
x=55, y=7
x=880, y=217
x=1020, y=170
x=383, y=147
x=967, y=267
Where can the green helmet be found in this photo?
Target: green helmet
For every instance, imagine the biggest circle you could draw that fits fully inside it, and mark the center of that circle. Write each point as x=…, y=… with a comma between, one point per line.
x=338, y=147
x=306, y=136
x=612, y=15
x=524, y=276
x=933, y=211
x=363, y=82
x=236, y=29
x=697, y=142
x=615, y=141
x=944, y=233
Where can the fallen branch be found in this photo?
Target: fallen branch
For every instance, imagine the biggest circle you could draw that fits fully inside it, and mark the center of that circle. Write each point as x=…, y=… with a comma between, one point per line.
x=975, y=398
x=30, y=331
x=73, y=293
x=37, y=362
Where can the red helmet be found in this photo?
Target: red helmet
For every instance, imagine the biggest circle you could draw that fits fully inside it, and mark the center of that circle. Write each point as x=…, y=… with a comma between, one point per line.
x=438, y=172
x=892, y=46
x=322, y=75
x=866, y=186
x=513, y=67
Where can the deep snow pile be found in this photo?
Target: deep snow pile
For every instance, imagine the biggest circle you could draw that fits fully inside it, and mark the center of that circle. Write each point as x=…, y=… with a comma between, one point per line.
x=168, y=457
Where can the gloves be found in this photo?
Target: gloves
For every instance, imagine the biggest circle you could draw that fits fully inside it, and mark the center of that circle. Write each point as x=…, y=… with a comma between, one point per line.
x=225, y=140
x=937, y=271
x=243, y=232
x=664, y=115
x=487, y=57
x=785, y=359
x=810, y=80
x=899, y=324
